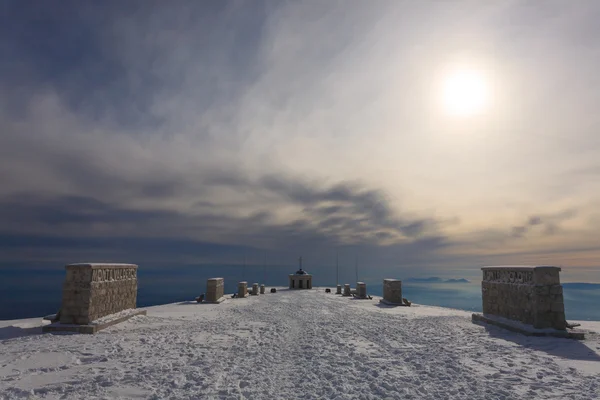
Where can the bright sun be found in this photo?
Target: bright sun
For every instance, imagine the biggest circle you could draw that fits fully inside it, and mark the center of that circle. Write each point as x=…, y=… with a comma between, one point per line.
x=465, y=93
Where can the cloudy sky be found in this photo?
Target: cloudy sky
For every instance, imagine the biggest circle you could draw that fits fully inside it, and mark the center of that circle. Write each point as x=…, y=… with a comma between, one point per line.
x=203, y=131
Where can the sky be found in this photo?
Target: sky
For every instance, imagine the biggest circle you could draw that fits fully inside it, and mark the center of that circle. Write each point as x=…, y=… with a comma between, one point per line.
x=204, y=132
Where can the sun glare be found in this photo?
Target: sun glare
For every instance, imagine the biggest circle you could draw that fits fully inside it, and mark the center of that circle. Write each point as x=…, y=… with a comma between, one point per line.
x=465, y=93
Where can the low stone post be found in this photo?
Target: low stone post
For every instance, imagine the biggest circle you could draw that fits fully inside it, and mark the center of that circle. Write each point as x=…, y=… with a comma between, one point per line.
x=338, y=289
x=262, y=289
x=242, y=289
x=361, y=290
x=215, y=290
x=255, y=289
x=392, y=291
x=347, y=291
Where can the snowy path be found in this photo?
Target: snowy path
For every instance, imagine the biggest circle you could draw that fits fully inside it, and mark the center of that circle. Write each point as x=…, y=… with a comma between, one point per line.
x=302, y=344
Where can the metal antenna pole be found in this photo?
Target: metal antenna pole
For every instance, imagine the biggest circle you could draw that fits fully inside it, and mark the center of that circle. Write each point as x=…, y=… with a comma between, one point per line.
x=356, y=268
x=337, y=268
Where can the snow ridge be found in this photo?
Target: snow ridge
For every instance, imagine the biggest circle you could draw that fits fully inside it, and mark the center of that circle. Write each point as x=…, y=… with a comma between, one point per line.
x=299, y=344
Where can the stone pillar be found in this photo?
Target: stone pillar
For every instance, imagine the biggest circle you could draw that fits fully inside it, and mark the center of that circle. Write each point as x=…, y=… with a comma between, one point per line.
x=531, y=295
x=262, y=289
x=255, y=289
x=347, y=291
x=361, y=290
x=392, y=291
x=338, y=289
x=215, y=289
x=92, y=291
x=242, y=289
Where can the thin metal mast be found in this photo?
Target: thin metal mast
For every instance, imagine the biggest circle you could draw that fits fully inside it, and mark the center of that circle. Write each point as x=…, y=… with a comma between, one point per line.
x=337, y=268
x=265, y=270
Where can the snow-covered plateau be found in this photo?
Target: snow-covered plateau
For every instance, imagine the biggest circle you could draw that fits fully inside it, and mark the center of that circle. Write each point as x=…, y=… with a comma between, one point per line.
x=297, y=344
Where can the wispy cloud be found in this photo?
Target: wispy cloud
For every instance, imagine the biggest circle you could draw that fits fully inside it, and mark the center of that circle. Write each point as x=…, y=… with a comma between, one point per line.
x=300, y=126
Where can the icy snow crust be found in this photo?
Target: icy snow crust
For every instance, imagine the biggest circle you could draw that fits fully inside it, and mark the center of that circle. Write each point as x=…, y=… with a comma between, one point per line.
x=296, y=344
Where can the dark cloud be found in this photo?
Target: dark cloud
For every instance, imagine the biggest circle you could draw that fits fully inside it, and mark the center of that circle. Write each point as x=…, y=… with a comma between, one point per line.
x=551, y=229
x=147, y=250
x=518, y=231
x=114, y=59
x=351, y=202
x=345, y=214
x=128, y=123
x=548, y=223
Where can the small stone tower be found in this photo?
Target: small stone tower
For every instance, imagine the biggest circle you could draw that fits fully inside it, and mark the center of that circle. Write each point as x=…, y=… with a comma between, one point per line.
x=301, y=279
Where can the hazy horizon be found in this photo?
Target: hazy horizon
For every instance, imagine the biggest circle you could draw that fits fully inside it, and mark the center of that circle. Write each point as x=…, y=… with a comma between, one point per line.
x=165, y=284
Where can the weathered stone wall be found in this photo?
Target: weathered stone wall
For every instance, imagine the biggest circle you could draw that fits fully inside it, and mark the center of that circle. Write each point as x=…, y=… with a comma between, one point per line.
x=92, y=291
x=532, y=295
x=392, y=290
x=242, y=289
x=215, y=289
x=361, y=289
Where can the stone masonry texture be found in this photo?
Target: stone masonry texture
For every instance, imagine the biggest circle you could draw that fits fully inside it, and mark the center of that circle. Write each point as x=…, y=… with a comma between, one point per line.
x=531, y=295
x=242, y=289
x=361, y=289
x=92, y=291
x=215, y=289
x=392, y=290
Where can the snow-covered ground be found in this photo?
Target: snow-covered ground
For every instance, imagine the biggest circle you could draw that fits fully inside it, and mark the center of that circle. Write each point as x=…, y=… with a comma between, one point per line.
x=296, y=344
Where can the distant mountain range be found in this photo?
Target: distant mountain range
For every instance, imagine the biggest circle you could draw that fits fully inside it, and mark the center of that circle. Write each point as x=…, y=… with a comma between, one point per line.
x=581, y=286
x=435, y=279
x=566, y=285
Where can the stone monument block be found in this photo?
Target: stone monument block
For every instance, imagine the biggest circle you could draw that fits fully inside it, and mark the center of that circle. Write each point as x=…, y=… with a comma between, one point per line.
x=361, y=290
x=528, y=294
x=255, y=289
x=392, y=291
x=93, y=291
x=215, y=290
x=242, y=289
x=262, y=289
x=93, y=294
x=347, y=291
x=338, y=289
